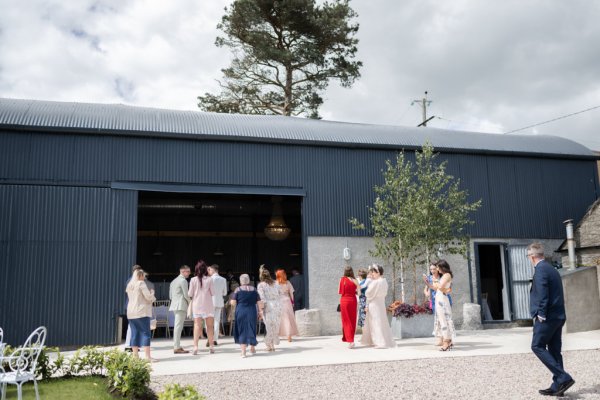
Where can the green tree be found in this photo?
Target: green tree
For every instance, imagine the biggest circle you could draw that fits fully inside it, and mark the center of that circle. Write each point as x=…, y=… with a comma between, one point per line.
x=420, y=211
x=285, y=53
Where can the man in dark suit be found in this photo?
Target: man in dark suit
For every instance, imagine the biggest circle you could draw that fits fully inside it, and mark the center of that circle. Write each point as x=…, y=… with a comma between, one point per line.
x=297, y=281
x=547, y=307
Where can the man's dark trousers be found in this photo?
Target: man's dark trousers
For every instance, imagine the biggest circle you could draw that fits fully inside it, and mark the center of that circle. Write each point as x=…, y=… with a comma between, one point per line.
x=547, y=344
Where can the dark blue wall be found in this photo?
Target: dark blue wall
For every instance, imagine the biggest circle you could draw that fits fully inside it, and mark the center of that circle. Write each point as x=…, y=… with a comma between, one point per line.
x=67, y=240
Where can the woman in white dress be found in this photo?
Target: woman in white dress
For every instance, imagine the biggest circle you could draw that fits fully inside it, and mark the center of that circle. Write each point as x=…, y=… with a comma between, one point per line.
x=288, y=327
x=443, y=326
x=377, y=331
x=269, y=308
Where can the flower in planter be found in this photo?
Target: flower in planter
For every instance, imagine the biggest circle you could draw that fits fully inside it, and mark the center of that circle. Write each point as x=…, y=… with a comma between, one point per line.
x=399, y=309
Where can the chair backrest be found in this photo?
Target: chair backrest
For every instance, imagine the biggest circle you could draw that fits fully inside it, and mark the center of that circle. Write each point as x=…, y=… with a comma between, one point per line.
x=24, y=359
x=160, y=310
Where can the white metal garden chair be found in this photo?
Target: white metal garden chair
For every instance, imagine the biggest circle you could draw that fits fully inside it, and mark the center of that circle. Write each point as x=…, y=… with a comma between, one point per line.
x=160, y=311
x=2, y=344
x=22, y=363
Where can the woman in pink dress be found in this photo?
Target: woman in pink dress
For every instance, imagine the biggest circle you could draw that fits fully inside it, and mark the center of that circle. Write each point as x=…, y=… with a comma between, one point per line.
x=201, y=292
x=287, y=325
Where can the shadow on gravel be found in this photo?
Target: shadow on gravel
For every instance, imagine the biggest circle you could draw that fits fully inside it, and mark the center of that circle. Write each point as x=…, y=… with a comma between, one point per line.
x=581, y=392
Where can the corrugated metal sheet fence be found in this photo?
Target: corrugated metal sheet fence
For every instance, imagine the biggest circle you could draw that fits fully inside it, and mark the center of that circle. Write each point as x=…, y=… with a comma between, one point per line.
x=61, y=251
x=521, y=274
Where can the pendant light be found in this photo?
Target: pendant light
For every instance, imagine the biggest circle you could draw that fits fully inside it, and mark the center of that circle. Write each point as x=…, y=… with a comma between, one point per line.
x=277, y=229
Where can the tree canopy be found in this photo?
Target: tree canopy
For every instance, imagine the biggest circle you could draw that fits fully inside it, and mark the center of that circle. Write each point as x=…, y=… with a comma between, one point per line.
x=285, y=54
x=419, y=212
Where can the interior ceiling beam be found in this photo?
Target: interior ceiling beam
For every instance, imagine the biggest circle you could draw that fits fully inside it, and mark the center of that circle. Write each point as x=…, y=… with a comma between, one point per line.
x=161, y=233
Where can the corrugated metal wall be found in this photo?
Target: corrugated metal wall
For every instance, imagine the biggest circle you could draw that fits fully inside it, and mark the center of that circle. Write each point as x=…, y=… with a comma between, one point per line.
x=66, y=250
x=521, y=273
x=66, y=253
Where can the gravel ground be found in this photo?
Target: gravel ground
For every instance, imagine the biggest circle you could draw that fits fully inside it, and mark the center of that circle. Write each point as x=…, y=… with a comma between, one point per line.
x=517, y=376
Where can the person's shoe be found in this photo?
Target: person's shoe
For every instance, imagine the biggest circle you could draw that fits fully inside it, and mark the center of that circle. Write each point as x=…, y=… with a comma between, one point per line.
x=180, y=351
x=215, y=343
x=562, y=388
x=128, y=349
x=546, y=392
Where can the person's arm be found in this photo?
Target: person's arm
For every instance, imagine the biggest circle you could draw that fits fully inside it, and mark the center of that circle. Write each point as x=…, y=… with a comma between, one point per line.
x=357, y=287
x=233, y=300
x=149, y=296
x=223, y=287
x=426, y=291
x=441, y=285
x=541, y=288
x=290, y=291
x=184, y=291
x=192, y=288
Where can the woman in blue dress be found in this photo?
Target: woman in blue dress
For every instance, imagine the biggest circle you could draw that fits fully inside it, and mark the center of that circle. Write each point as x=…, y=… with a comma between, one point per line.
x=244, y=329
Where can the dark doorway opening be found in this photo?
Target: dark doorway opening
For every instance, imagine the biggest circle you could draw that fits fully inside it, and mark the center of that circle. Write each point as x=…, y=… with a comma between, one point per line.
x=492, y=282
x=225, y=229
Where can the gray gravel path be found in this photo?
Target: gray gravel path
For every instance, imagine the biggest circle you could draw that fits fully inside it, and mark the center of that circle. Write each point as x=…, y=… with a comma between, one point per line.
x=516, y=376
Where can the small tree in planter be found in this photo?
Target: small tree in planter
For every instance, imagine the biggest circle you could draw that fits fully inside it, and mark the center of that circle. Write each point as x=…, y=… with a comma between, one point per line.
x=419, y=210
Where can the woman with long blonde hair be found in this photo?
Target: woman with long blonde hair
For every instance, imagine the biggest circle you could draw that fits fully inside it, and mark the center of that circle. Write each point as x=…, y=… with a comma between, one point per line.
x=269, y=307
x=139, y=312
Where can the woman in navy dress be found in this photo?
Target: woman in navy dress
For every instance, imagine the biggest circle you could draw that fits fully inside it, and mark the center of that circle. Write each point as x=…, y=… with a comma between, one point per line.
x=244, y=328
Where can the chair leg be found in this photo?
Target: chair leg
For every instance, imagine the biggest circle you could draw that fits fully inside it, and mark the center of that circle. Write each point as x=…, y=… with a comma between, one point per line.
x=19, y=391
x=37, y=394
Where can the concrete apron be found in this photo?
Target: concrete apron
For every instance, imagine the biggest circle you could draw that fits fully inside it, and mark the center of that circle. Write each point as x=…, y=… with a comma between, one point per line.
x=326, y=350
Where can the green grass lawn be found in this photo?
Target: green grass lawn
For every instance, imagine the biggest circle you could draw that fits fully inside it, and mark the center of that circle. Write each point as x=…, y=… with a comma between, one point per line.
x=79, y=388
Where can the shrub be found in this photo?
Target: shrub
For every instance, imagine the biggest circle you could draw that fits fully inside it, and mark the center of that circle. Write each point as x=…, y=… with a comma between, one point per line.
x=127, y=375
x=175, y=391
x=399, y=309
x=45, y=368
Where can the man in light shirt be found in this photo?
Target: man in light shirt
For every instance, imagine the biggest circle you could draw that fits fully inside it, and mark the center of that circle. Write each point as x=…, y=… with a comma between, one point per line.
x=178, y=293
x=219, y=291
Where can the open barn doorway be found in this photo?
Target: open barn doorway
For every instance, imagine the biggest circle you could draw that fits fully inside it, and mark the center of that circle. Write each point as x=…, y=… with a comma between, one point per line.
x=225, y=229
x=494, y=282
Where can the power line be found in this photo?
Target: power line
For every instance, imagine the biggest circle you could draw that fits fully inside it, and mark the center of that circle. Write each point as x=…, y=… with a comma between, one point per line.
x=552, y=120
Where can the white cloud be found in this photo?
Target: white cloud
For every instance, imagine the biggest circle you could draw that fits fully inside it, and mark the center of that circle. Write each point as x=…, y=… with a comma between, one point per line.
x=488, y=66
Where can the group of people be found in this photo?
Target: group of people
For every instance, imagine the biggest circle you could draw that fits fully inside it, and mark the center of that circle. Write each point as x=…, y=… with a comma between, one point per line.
x=272, y=301
x=362, y=303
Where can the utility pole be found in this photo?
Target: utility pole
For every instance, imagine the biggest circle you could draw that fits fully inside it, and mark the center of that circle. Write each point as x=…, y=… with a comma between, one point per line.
x=423, y=103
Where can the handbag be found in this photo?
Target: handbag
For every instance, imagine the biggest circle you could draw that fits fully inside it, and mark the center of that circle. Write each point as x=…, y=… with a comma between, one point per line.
x=339, y=309
x=153, y=324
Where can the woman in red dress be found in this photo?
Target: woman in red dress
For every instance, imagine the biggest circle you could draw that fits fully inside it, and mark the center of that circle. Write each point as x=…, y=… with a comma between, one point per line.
x=349, y=289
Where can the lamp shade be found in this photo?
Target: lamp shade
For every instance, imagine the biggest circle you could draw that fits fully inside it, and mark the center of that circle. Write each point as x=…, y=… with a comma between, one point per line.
x=276, y=229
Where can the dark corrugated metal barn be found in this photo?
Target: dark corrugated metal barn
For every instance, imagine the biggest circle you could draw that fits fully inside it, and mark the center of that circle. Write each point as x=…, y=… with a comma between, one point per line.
x=88, y=190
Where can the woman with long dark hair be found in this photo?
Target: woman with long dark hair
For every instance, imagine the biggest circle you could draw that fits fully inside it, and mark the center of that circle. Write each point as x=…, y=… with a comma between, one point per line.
x=348, y=290
x=443, y=325
x=201, y=292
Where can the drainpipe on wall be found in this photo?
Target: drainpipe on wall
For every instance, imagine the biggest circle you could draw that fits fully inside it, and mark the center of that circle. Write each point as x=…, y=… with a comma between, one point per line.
x=570, y=242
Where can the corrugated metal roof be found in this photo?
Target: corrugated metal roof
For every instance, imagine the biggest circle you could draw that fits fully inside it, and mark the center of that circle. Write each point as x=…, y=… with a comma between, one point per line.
x=131, y=120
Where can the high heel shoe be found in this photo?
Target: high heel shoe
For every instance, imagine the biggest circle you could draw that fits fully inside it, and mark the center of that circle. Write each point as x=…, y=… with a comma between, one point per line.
x=446, y=346
x=195, y=352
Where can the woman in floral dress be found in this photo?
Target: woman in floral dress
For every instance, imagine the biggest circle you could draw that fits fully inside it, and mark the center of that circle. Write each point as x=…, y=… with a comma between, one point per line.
x=362, y=299
x=269, y=308
x=443, y=326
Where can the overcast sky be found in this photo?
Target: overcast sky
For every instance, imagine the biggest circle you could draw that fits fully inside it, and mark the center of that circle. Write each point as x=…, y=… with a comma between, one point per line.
x=489, y=66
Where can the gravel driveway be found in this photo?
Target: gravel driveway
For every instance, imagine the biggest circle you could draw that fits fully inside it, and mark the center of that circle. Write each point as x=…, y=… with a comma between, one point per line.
x=515, y=376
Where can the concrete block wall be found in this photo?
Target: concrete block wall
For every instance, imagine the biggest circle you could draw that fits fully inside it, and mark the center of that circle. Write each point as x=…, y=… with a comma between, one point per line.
x=326, y=266
x=582, y=299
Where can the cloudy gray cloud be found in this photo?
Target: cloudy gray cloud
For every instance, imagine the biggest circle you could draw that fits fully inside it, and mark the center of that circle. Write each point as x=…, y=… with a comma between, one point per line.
x=488, y=66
